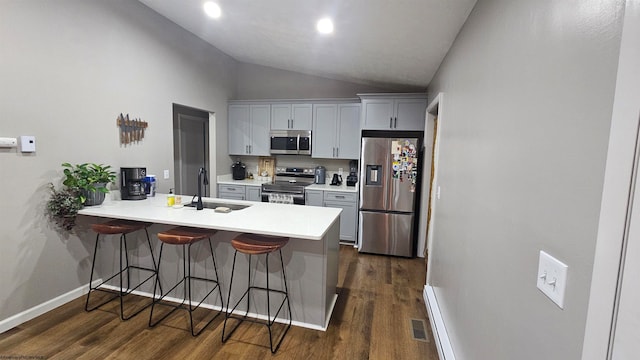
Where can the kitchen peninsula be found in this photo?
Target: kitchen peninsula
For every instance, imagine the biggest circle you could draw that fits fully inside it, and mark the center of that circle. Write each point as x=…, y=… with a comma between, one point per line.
x=310, y=257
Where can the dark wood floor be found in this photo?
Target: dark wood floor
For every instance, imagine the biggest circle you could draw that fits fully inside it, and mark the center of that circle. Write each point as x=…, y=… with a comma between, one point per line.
x=378, y=297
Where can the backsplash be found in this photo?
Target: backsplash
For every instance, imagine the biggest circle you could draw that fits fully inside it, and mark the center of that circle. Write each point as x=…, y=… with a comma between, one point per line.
x=332, y=165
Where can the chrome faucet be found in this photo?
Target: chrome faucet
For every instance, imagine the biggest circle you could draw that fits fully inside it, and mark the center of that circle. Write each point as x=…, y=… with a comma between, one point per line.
x=201, y=173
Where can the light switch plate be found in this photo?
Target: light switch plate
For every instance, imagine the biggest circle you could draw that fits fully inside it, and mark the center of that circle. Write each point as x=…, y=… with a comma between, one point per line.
x=166, y=174
x=27, y=144
x=552, y=278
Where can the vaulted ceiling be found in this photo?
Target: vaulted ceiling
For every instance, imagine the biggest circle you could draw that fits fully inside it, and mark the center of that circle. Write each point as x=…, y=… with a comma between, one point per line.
x=391, y=43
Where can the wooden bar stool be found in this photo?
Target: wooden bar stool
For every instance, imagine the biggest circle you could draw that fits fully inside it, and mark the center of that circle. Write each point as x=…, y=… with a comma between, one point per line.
x=121, y=227
x=253, y=244
x=186, y=236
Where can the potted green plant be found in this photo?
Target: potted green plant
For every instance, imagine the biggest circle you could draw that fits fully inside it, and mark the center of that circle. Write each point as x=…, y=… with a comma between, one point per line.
x=89, y=181
x=63, y=207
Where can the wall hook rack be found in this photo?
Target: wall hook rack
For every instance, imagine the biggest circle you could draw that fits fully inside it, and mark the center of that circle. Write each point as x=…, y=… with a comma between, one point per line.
x=131, y=130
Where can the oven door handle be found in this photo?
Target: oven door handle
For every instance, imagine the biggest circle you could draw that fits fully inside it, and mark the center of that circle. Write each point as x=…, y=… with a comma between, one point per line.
x=298, y=198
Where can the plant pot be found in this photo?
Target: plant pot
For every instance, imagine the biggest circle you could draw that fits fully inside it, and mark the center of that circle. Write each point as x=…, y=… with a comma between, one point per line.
x=94, y=197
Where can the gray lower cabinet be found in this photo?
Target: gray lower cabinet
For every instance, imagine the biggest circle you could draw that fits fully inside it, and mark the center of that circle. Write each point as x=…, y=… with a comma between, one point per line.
x=348, y=202
x=253, y=193
x=232, y=192
x=240, y=192
x=314, y=197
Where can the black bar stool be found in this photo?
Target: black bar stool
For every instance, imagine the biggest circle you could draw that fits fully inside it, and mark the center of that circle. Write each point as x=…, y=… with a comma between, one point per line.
x=186, y=236
x=121, y=227
x=253, y=244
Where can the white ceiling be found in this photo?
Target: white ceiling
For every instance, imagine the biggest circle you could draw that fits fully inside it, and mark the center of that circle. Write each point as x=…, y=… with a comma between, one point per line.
x=393, y=43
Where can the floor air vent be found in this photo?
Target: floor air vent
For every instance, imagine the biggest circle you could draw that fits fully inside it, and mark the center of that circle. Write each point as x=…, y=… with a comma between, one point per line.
x=418, y=330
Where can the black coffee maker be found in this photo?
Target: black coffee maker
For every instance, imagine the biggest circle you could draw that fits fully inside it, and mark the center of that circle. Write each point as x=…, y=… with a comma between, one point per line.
x=132, y=183
x=238, y=171
x=352, y=179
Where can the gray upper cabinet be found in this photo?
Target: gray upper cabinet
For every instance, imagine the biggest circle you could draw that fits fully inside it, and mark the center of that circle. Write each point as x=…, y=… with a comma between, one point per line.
x=249, y=129
x=291, y=116
x=398, y=112
x=239, y=129
x=336, y=131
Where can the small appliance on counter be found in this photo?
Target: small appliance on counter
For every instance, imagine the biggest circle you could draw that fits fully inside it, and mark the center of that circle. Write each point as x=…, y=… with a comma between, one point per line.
x=132, y=184
x=238, y=171
x=352, y=178
x=320, y=174
x=337, y=180
x=150, y=185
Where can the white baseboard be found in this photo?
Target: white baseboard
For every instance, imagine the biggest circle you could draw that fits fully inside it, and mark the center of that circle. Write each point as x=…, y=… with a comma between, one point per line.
x=17, y=319
x=445, y=351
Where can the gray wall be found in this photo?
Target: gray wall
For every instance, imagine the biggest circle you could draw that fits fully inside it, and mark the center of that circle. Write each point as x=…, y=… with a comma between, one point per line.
x=528, y=92
x=68, y=68
x=262, y=82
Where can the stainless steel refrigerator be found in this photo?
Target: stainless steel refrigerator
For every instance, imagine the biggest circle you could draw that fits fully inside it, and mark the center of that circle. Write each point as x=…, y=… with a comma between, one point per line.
x=389, y=194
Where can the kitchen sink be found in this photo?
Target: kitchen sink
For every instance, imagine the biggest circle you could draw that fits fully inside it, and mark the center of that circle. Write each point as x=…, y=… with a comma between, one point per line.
x=215, y=204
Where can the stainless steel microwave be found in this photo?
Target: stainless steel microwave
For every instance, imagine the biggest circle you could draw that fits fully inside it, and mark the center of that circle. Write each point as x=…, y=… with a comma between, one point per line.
x=292, y=142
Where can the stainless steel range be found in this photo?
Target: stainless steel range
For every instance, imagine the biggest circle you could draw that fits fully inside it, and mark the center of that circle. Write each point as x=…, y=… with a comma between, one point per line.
x=288, y=186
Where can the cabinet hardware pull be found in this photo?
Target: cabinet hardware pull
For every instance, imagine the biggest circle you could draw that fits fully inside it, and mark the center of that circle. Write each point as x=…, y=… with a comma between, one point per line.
x=337, y=152
x=339, y=197
x=395, y=126
x=391, y=122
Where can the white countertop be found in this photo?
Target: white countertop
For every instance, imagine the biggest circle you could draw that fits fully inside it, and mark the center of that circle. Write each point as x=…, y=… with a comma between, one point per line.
x=327, y=187
x=228, y=180
x=303, y=222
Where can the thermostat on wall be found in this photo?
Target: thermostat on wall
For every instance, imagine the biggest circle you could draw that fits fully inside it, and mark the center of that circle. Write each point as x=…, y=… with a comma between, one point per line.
x=28, y=144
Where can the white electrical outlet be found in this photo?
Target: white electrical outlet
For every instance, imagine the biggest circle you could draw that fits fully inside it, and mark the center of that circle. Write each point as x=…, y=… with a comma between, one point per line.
x=552, y=278
x=166, y=174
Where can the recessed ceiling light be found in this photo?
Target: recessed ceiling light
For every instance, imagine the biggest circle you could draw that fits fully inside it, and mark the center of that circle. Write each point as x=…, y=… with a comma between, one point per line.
x=212, y=9
x=325, y=26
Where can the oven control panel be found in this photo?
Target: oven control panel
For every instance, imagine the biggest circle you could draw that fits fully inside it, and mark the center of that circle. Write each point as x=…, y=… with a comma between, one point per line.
x=294, y=171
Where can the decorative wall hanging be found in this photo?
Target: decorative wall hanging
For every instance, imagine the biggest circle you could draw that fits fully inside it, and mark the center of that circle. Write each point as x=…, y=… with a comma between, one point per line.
x=130, y=130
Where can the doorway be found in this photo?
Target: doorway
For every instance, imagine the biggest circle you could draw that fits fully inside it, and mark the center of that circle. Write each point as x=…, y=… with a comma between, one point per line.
x=190, y=148
x=433, y=122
